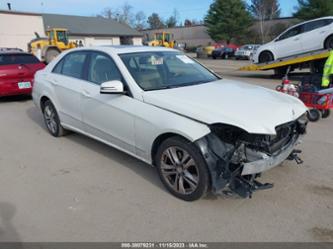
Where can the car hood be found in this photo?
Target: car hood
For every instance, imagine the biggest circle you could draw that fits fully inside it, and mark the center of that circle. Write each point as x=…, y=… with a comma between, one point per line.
x=255, y=109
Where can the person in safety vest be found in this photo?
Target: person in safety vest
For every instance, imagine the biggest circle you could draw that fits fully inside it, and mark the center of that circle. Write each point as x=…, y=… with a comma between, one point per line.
x=327, y=80
x=328, y=71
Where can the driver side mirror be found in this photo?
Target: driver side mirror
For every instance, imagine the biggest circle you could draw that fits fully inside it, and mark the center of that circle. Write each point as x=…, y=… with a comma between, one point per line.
x=112, y=87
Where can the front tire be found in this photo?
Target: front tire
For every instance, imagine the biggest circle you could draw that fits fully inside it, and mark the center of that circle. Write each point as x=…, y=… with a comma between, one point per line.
x=314, y=115
x=52, y=120
x=182, y=169
x=325, y=113
x=265, y=57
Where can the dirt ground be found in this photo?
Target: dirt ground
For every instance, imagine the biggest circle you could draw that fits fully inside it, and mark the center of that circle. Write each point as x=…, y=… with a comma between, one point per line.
x=76, y=189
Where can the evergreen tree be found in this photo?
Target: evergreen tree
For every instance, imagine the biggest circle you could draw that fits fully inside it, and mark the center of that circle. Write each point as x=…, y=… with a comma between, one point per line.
x=155, y=22
x=228, y=20
x=310, y=9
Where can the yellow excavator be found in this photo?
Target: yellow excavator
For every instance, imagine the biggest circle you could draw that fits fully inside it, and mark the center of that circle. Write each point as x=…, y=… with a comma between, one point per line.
x=163, y=39
x=52, y=45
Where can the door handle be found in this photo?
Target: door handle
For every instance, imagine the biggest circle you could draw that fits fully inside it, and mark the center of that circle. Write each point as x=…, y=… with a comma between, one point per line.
x=296, y=39
x=86, y=94
x=53, y=81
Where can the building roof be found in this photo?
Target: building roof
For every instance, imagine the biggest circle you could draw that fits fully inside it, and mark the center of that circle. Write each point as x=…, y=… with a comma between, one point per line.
x=83, y=25
x=14, y=12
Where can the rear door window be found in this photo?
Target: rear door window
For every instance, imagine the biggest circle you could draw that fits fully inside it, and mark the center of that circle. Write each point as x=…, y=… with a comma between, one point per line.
x=73, y=64
x=57, y=69
x=22, y=59
x=315, y=25
x=329, y=21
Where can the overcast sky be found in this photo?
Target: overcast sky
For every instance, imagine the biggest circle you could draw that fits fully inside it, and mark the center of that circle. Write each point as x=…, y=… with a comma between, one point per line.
x=192, y=9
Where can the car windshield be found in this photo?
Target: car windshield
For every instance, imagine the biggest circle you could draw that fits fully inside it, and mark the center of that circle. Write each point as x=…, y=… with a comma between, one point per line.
x=10, y=59
x=163, y=70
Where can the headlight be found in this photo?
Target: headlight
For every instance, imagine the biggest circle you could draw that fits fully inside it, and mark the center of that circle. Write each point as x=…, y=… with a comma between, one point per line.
x=302, y=122
x=228, y=133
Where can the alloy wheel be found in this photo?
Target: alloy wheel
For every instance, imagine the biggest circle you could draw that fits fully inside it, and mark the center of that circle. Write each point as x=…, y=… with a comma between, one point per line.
x=179, y=170
x=50, y=118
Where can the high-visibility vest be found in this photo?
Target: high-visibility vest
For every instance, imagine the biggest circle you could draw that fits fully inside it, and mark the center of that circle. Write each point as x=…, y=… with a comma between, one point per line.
x=328, y=71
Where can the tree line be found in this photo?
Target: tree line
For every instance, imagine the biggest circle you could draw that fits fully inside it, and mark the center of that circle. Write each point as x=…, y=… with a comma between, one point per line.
x=140, y=21
x=230, y=20
x=227, y=20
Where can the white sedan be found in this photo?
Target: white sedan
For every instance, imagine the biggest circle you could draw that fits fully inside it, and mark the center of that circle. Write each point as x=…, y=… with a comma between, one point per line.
x=201, y=132
x=304, y=37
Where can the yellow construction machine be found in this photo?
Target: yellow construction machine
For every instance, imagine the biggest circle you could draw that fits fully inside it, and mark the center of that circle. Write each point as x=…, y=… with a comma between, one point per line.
x=163, y=39
x=52, y=45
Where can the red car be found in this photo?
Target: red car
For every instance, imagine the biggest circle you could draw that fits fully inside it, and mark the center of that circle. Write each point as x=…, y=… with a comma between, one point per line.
x=17, y=70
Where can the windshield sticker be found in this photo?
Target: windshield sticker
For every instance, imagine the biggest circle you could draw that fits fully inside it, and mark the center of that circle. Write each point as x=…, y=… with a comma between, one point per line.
x=156, y=61
x=185, y=59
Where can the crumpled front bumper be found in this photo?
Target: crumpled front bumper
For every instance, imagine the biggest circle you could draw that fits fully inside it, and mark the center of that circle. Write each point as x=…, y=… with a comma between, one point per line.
x=234, y=168
x=267, y=162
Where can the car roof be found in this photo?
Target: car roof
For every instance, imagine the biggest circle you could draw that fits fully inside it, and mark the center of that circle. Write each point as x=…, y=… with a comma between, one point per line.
x=123, y=49
x=13, y=52
x=10, y=50
x=302, y=23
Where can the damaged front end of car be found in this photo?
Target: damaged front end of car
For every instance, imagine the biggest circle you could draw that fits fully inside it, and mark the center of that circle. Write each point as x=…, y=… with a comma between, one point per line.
x=236, y=158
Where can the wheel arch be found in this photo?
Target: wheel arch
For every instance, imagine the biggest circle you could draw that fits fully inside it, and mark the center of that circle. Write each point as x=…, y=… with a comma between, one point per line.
x=328, y=37
x=43, y=99
x=159, y=140
x=266, y=51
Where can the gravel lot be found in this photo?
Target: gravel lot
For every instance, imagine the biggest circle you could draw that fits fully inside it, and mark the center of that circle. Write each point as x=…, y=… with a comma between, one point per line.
x=76, y=189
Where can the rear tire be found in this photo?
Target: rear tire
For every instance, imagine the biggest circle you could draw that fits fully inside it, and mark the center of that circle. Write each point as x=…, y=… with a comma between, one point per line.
x=265, y=57
x=325, y=113
x=329, y=43
x=52, y=120
x=314, y=115
x=51, y=54
x=182, y=169
x=279, y=88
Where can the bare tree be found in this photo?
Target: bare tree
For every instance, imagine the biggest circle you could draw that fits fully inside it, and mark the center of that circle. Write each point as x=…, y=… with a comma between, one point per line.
x=126, y=15
x=263, y=10
x=108, y=13
x=123, y=15
x=176, y=15
x=140, y=20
